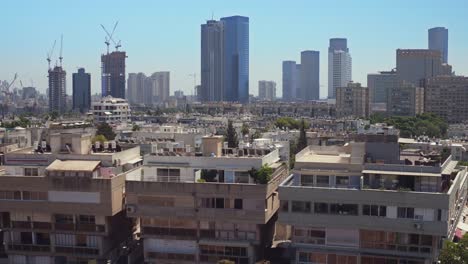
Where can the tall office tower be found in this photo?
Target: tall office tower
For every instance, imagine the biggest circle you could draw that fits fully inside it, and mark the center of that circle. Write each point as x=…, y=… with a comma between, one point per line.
x=379, y=85
x=57, y=90
x=416, y=65
x=438, y=40
x=212, y=61
x=352, y=100
x=81, y=90
x=297, y=91
x=161, y=86
x=339, y=65
x=446, y=96
x=113, y=74
x=290, y=81
x=267, y=90
x=310, y=75
x=236, y=58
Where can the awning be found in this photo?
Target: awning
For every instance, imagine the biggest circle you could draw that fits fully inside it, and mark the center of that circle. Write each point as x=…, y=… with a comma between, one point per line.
x=133, y=161
x=402, y=173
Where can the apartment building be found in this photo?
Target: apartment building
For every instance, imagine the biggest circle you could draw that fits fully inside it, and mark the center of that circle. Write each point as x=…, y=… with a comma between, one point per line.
x=405, y=99
x=208, y=206
x=446, y=97
x=342, y=206
x=352, y=100
x=111, y=110
x=62, y=201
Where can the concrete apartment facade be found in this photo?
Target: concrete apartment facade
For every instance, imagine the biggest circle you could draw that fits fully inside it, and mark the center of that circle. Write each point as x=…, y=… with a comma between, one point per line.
x=111, y=110
x=347, y=205
x=352, y=100
x=61, y=202
x=187, y=216
x=446, y=96
x=405, y=99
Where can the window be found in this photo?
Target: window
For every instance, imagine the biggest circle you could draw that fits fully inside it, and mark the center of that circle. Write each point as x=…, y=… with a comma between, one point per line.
x=31, y=172
x=405, y=212
x=86, y=219
x=300, y=207
x=34, y=196
x=342, y=180
x=208, y=202
x=307, y=180
x=17, y=195
x=220, y=203
x=322, y=181
x=63, y=219
x=439, y=215
x=284, y=205
x=237, y=203
x=321, y=208
x=344, y=209
x=374, y=210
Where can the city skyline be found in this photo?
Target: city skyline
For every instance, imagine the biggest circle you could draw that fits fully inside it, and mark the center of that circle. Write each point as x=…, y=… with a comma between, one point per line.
x=177, y=50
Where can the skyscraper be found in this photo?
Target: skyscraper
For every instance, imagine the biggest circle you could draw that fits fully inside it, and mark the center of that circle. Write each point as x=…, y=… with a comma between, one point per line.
x=438, y=40
x=161, y=85
x=416, y=65
x=57, y=90
x=113, y=74
x=212, y=61
x=136, y=87
x=267, y=90
x=290, y=80
x=81, y=90
x=339, y=65
x=310, y=72
x=236, y=58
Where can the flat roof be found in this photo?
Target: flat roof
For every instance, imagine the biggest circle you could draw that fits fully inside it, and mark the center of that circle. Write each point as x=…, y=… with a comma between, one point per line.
x=73, y=165
x=325, y=158
x=403, y=173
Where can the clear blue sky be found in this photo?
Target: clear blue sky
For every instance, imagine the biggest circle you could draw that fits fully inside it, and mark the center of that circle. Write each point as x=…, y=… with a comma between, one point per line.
x=165, y=35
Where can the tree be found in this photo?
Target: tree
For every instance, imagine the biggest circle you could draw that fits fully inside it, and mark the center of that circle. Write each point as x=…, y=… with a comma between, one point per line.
x=255, y=135
x=455, y=253
x=245, y=129
x=99, y=138
x=292, y=153
x=136, y=127
x=231, y=136
x=263, y=175
x=105, y=130
x=302, y=142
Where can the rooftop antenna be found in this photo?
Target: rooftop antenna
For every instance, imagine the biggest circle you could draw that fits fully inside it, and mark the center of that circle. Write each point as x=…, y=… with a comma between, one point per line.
x=50, y=53
x=61, y=48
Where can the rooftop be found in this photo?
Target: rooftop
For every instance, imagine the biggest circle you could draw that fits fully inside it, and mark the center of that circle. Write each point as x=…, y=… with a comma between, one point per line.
x=73, y=165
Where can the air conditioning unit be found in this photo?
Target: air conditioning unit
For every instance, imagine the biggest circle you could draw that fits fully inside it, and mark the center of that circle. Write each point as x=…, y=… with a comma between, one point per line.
x=417, y=226
x=131, y=209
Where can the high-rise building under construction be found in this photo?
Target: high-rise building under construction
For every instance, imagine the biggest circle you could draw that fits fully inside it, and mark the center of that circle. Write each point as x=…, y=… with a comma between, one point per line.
x=113, y=74
x=57, y=90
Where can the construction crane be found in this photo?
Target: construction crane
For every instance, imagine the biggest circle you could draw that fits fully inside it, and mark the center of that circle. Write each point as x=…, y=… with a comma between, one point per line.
x=8, y=95
x=110, y=37
x=61, y=49
x=50, y=53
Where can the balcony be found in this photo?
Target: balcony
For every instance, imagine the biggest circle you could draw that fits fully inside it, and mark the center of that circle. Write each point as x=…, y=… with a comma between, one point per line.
x=80, y=227
x=29, y=247
x=31, y=225
x=77, y=250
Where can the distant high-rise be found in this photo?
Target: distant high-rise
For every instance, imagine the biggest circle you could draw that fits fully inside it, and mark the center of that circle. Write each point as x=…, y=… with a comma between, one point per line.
x=161, y=86
x=57, y=90
x=81, y=90
x=339, y=65
x=290, y=80
x=212, y=61
x=310, y=72
x=438, y=40
x=113, y=74
x=352, y=100
x=136, y=87
x=267, y=90
x=416, y=65
x=236, y=58
x=380, y=85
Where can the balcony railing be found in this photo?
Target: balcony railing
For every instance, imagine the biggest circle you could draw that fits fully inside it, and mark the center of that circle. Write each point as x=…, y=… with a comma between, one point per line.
x=29, y=247
x=228, y=235
x=80, y=227
x=77, y=250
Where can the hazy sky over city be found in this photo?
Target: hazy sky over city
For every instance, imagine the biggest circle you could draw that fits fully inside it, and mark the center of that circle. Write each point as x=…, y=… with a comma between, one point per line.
x=165, y=35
